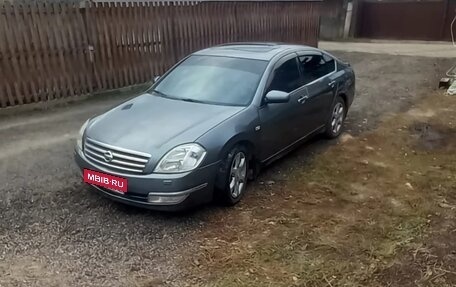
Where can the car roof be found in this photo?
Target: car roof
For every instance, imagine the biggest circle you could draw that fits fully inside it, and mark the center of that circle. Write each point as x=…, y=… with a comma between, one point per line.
x=253, y=50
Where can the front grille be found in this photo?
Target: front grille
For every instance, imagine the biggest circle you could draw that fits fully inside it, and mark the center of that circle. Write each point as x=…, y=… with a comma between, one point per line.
x=115, y=158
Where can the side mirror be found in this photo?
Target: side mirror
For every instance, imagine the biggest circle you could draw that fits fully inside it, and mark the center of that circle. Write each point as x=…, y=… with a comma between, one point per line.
x=274, y=97
x=156, y=79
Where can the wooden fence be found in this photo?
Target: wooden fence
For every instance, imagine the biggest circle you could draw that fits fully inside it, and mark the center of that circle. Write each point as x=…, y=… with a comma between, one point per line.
x=51, y=50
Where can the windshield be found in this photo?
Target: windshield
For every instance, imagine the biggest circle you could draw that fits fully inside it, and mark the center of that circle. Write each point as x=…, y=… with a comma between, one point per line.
x=213, y=80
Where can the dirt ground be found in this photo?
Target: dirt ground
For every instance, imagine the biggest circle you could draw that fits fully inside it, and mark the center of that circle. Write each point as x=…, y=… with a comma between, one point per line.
x=375, y=208
x=403, y=48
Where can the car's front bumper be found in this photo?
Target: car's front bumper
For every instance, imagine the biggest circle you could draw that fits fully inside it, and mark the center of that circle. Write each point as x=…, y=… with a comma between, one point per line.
x=170, y=192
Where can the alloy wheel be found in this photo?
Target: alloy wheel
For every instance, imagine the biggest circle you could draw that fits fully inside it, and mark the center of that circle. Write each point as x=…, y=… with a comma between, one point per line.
x=337, y=118
x=238, y=174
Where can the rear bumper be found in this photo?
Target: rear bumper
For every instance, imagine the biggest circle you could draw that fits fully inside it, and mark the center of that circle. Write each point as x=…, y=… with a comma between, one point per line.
x=167, y=192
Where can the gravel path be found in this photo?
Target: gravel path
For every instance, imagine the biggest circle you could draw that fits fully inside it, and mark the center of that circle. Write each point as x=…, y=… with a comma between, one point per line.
x=55, y=232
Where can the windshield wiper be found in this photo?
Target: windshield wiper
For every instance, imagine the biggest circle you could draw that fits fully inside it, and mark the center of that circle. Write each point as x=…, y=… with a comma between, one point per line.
x=190, y=100
x=162, y=94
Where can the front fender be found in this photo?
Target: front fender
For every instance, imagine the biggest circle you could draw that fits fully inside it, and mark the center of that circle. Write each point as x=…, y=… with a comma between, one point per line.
x=222, y=138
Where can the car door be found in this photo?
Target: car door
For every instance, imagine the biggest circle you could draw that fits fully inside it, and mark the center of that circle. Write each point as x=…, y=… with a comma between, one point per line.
x=280, y=121
x=317, y=70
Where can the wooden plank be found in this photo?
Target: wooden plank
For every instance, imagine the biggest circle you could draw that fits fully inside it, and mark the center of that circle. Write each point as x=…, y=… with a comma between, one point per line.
x=43, y=83
x=179, y=39
x=227, y=23
x=5, y=67
x=189, y=28
x=186, y=30
x=76, y=61
x=84, y=32
x=242, y=21
x=260, y=32
x=24, y=47
x=3, y=97
x=3, y=71
x=164, y=34
x=215, y=31
x=134, y=41
x=19, y=89
x=168, y=37
x=90, y=39
x=42, y=51
x=56, y=57
x=123, y=45
x=26, y=73
x=133, y=33
x=101, y=65
x=140, y=45
x=111, y=75
x=78, y=46
x=114, y=38
x=60, y=32
x=197, y=27
x=119, y=45
x=222, y=24
x=49, y=22
x=210, y=24
x=149, y=74
x=104, y=47
x=161, y=36
x=82, y=44
x=129, y=43
x=206, y=24
x=151, y=38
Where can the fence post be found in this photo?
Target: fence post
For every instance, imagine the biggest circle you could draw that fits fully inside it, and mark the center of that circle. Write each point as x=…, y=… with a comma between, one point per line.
x=85, y=9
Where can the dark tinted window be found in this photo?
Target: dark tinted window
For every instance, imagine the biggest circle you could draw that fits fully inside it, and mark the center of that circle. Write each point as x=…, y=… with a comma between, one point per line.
x=315, y=66
x=213, y=80
x=286, y=77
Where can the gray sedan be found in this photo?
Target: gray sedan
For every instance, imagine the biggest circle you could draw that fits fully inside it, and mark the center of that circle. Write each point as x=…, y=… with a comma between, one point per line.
x=211, y=122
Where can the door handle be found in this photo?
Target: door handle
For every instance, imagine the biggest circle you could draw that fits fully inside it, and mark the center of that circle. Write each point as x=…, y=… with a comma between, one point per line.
x=302, y=99
x=331, y=84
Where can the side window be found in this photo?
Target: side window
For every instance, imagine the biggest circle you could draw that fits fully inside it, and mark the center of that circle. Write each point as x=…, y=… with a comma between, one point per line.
x=286, y=77
x=329, y=64
x=315, y=66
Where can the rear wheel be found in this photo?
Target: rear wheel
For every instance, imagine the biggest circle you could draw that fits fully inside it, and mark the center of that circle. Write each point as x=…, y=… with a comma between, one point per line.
x=234, y=177
x=335, y=123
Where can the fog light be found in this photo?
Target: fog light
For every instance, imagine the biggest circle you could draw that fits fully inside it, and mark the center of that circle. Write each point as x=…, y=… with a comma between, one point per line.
x=160, y=199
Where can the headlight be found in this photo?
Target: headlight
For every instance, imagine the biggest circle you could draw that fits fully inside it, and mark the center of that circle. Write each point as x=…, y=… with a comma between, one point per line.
x=81, y=134
x=181, y=159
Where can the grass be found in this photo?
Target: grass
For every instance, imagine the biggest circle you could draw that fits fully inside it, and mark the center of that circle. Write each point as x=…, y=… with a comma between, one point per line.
x=346, y=216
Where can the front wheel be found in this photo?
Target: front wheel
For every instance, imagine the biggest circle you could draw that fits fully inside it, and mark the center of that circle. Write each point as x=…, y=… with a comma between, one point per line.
x=234, y=178
x=335, y=123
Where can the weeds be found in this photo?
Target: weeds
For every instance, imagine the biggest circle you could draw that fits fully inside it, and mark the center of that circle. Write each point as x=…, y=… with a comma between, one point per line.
x=345, y=217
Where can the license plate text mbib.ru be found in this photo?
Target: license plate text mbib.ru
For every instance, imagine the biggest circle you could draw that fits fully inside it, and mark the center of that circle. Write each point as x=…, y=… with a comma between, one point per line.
x=105, y=180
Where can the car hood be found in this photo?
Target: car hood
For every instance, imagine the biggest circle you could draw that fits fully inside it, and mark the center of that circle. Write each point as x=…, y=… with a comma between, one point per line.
x=154, y=124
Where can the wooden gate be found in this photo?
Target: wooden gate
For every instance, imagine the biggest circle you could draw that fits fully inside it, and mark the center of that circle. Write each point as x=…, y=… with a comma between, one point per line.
x=405, y=20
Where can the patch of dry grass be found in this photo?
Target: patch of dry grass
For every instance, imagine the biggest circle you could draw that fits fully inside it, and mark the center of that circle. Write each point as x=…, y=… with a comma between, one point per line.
x=344, y=217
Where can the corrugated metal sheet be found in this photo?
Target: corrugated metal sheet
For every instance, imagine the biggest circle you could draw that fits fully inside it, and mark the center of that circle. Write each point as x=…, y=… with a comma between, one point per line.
x=405, y=20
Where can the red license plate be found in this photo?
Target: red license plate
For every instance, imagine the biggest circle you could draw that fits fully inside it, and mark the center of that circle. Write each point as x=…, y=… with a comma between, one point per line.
x=111, y=182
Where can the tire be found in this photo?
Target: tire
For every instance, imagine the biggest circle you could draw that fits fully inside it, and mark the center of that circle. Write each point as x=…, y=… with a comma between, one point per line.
x=335, y=122
x=233, y=176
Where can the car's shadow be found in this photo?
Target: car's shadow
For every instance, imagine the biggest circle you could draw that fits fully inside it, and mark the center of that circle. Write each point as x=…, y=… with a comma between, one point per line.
x=273, y=172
